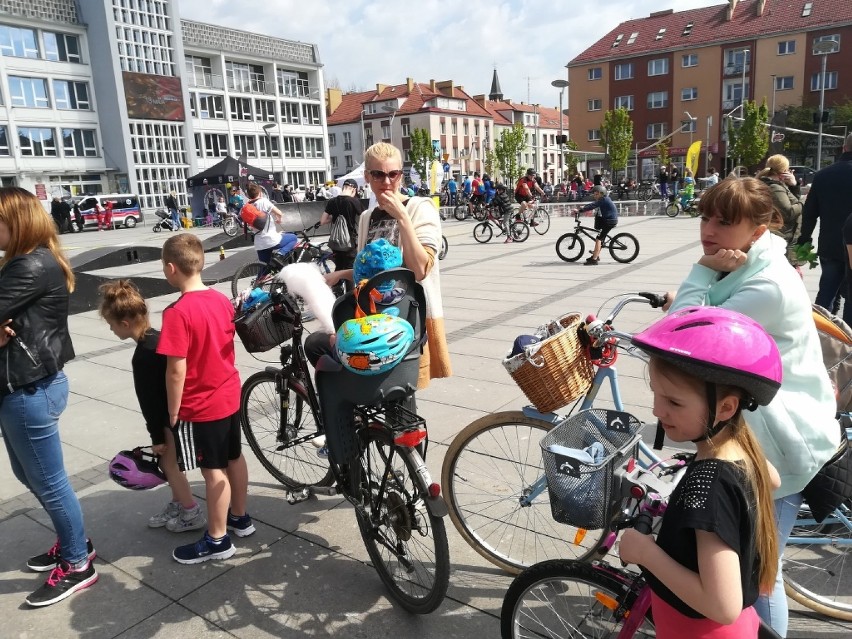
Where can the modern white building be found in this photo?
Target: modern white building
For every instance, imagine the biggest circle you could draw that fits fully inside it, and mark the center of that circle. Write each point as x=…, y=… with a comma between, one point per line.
x=124, y=96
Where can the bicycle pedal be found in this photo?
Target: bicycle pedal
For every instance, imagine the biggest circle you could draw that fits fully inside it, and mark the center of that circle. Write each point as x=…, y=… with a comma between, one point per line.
x=298, y=496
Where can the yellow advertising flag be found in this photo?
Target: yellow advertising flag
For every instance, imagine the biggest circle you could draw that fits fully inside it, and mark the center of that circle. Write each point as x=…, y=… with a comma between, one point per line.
x=692, y=157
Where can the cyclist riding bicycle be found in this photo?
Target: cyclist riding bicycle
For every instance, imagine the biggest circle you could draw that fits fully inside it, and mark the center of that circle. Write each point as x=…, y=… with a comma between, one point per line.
x=260, y=214
x=606, y=218
x=501, y=199
x=524, y=191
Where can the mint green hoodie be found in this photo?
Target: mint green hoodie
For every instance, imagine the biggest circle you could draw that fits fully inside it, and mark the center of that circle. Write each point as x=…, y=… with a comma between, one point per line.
x=797, y=430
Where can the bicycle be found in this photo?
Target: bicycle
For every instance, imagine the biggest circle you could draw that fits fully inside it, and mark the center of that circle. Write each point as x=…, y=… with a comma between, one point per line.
x=483, y=232
x=623, y=247
x=229, y=223
x=468, y=208
x=648, y=190
x=675, y=207
x=398, y=508
x=536, y=216
x=564, y=598
x=445, y=247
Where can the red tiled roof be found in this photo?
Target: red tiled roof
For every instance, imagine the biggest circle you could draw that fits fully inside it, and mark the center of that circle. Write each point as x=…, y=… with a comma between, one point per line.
x=710, y=25
x=547, y=117
x=350, y=107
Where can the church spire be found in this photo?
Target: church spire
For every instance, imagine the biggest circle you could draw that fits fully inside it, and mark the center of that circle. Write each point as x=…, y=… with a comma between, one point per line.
x=496, y=92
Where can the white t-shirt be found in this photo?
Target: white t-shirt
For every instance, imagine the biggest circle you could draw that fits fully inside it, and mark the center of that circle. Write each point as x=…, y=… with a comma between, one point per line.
x=334, y=191
x=270, y=236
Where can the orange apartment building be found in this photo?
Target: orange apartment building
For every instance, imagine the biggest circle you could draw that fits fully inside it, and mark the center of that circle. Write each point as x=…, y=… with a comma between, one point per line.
x=681, y=73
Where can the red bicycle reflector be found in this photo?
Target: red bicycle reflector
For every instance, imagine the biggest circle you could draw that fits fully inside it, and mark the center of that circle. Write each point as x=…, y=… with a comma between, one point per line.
x=410, y=438
x=631, y=464
x=606, y=600
x=637, y=492
x=434, y=490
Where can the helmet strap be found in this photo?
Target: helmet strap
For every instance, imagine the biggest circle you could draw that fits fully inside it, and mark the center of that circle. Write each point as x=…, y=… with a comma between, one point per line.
x=712, y=429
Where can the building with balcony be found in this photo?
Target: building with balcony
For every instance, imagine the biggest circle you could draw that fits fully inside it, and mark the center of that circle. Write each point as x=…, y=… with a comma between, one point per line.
x=680, y=74
x=124, y=96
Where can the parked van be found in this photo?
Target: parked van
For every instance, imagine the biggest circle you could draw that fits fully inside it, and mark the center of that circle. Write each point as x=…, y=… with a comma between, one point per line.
x=126, y=210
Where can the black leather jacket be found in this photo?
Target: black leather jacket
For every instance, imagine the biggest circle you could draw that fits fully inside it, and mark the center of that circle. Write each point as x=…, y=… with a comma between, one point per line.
x=33, y=294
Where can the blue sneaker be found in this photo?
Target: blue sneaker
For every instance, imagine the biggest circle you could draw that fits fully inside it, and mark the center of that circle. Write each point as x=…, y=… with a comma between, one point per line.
x=204, y=549
x=241, y=526
x=322, y=452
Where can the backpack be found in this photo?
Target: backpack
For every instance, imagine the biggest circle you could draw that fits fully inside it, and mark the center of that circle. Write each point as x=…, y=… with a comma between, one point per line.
x=835, y=337
x=339, y=238
x=523, y=188
x=478, y=187
x=253, y=216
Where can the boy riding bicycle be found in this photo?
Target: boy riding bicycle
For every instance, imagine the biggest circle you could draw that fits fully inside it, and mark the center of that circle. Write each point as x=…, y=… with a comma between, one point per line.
x=606, y=218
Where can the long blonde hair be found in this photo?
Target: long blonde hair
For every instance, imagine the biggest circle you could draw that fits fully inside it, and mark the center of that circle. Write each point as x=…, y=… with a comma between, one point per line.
x=29, y=228
x=756, y=469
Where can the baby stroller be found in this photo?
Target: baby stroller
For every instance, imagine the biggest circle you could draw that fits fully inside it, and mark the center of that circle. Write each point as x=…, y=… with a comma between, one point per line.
x=165, y=222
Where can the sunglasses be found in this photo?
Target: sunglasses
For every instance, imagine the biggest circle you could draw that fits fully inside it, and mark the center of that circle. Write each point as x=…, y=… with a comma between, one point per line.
x=381, y=175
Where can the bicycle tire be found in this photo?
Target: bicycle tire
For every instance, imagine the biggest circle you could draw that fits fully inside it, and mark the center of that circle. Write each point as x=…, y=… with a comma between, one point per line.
x=489, y=465
x=672, y=209
x=483, y=232
x=623, y=247
x=564, y=596
x=570, y=247
x=445, y=248
x=480, y=213
x=541, y=220
x=460, y=212
x=245, y=277
x=520, y=231
x=816, y=575
x=260, y=412
x=230, y=226
x=645, y=193
x=419, y=583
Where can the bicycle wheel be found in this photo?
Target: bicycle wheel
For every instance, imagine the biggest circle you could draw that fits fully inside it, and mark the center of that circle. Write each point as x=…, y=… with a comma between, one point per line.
x=570, y=247
x=270, y=421
x=645, y=193
x=490, y=465
x=623, y=247
x=817, y=574
x=672, y=209
x=480, y=213
x=407, y=545
x=460, y=212
x=230, y=226
x=245, y=277
x=482, y=232
x=557, y=599
x=540, y=220
x=445, y=247
x=520, y=231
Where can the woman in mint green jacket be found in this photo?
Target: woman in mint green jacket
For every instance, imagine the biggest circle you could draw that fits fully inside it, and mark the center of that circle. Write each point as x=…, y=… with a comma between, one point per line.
x=744, y=268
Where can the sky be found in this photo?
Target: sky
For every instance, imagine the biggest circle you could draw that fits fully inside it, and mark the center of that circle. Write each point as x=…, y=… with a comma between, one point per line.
x=363, y=42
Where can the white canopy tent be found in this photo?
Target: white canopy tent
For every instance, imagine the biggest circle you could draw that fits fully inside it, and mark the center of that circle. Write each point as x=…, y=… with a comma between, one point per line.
x=356, y=174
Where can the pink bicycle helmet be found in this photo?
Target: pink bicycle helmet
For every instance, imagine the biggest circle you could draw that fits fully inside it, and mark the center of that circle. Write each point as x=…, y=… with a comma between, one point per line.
x=136, y=469
x=718, y=346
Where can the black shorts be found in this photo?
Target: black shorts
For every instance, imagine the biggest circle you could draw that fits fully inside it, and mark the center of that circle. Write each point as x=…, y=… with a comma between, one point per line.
x=522, y=198
x=604, y=231
x=208, y=444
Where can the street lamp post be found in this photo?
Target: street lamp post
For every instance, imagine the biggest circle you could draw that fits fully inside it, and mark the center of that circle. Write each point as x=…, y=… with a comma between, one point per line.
x=560, y=84
x=266, y=128
x=388, y=108
x=823, y=48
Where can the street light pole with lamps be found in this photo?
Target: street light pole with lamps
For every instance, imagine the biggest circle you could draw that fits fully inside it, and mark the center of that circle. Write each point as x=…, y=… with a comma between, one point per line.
x=823, y=48
x=266, y=128
x=561, y=84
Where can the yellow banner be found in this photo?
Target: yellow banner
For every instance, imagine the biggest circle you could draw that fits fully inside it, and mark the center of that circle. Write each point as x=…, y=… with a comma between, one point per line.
x=692, y=157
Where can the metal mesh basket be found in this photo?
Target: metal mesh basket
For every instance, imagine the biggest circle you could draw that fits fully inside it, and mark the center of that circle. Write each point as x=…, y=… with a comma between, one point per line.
x=582, y=491
x=262, y=328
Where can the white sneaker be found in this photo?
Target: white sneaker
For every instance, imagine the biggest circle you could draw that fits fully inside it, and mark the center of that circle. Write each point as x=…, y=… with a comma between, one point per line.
x=159, y=520
x=318, y=442
x=191, y=519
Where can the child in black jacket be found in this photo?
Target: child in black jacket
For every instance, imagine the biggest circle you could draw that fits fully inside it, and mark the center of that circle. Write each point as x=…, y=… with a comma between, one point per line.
x=504, y=204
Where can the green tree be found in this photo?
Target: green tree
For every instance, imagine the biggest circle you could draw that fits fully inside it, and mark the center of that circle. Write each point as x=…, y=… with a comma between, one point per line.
x=507, y=152
x=664, y=157
x=617, y=137
x=571, y=160
x=750, y=140
x=421, y=151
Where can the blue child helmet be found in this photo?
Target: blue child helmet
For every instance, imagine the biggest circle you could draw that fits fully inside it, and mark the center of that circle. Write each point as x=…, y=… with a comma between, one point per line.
x=374, y=258
x=373, y=344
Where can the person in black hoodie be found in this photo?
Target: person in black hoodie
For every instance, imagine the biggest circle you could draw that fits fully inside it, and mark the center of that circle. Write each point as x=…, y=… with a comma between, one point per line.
x=828, y=201
x=504, y=204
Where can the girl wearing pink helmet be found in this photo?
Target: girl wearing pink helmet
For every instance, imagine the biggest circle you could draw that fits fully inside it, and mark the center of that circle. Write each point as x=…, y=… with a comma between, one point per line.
x=744, y=268
x=708, y=365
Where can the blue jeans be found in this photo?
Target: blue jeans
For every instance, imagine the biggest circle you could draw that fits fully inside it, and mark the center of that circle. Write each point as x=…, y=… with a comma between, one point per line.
x=29, y=420
x=288, y=243
x=772, y=608
x=830, y=281
x=175, y=217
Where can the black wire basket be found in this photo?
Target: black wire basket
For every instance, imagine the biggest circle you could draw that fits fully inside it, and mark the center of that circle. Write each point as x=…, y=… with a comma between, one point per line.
x=263, y=328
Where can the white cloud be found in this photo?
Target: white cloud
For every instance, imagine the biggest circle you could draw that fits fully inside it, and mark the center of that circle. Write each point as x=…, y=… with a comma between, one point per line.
x=362, y=42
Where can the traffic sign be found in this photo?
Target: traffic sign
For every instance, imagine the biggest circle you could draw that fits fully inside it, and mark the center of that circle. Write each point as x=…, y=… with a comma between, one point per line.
x=777, y=137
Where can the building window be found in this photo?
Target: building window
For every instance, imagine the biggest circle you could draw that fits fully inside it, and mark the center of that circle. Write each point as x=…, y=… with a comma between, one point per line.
x=333, y=161
x=623, y=71
x=347, y=141
x=293, y=84
x=293, y=148
x=689, y=94
x=37, y=142
x=443, y=128
x=4, y=141
x=311, y=114
x=246, y=78
x=314, y=148
x=269, y=146
x=290, y=112
x=386, y=131
x=349, y=163
x=264, y=110
x=625, y=101
x=68, y=95
x=830, y=81
x=28, y=92
x=454, y=129
x=332, y=139
x=79, y=143
x=466, y=128
x=199, y=72
x=241, y=109
x=61, y=47
x=18, y=42
x=595, y=104
x=594, y=135
x=660, y=66
x=689, y=60
x=145, y=46
x=211, y=106
x=296, y=178
x=199, y=152
x=784, y=82
x=689, y=126
x=595, y=73
x=656, y=131
x=244, y=145
x=316, y=177
x=658, y=100
x=786, y=47
x=406, y=130
x=215, y=145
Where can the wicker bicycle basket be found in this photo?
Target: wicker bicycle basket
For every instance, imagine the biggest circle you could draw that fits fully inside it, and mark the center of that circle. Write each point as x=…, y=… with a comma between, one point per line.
x=261, y=328
x=558, y=372
x=581, y=485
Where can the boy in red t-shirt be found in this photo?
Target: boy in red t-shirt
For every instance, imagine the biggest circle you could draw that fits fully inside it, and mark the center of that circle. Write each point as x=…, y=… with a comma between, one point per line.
x=203, y=388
